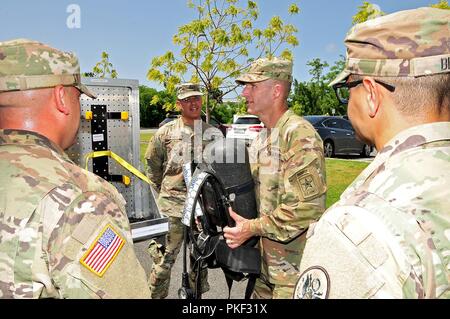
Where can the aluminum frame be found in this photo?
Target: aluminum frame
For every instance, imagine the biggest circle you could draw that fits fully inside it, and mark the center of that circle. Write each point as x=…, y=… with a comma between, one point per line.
x=121, y=95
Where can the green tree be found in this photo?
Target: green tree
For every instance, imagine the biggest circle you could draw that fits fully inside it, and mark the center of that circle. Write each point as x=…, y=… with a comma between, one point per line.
x=300, y=99
x=316, y=86
x=329, y=100
x=102, y=69
x=315, y=97
x=214, y=47
x=153, y=105
x=367, y=11
x=225, y=112
x=441, y=5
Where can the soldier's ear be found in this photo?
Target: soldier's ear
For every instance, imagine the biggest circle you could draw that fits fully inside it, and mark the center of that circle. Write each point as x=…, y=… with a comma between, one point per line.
x=373, y=97
x=178, y=106
x=60, y=96
x=278, y=90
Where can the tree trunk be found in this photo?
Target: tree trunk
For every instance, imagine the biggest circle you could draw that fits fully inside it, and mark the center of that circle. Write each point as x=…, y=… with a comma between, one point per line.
x=208, y=115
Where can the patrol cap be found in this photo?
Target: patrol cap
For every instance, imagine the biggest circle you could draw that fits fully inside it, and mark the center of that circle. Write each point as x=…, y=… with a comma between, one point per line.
x=27, y=64
x=408, y=43
x=265, y=69
x=185, y=90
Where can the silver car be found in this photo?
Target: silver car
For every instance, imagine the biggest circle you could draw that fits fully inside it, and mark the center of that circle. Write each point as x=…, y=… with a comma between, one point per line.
x=338, y=136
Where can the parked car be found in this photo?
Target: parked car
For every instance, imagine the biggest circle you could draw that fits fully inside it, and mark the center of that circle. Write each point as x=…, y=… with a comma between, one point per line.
x=214, y=122
x=338, y=136
x=168, y=119
x=245, y=127
x=222, y=127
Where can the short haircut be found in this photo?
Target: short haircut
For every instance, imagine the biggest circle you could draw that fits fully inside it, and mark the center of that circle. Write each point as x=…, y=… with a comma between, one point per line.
x=285, y=84
x=415, y=96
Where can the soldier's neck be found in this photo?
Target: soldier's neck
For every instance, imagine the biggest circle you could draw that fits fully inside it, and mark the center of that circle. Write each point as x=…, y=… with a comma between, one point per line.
x=189, y=121
x=271, y=118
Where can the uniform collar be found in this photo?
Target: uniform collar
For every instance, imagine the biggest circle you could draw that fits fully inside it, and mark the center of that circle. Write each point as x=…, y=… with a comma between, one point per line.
x=413, y=137
x=410, y=138
x=417, y=136
x=23, y=137
x=283, y=119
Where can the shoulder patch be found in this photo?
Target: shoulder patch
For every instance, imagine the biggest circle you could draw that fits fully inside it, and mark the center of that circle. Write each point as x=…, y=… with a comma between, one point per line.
x=103, y=251
x=314, y=283
x=307, y=183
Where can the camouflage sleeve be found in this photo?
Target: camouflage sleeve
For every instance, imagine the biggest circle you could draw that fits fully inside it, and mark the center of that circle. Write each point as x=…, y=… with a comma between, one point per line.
x=345, y=258
x=302, y=192
x=90, y=249
x=155, y=158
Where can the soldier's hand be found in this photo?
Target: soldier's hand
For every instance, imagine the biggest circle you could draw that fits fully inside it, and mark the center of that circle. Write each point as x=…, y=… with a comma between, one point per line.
x=236, y=236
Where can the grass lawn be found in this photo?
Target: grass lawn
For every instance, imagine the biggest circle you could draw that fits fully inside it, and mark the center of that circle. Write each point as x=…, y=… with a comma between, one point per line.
x=145, y=138
x=340, y=173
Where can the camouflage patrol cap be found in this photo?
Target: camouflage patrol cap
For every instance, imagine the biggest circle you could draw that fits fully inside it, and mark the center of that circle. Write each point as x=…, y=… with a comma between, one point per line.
x=185, y=90
x=264, y=69
x=408, y=43
x=27, y=64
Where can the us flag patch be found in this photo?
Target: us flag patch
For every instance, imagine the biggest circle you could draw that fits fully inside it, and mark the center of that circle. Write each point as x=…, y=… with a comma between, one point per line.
x=103, y=251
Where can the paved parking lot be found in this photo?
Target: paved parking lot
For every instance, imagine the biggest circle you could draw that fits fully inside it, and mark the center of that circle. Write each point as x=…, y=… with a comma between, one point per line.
x=219, y=289
x=357, y=157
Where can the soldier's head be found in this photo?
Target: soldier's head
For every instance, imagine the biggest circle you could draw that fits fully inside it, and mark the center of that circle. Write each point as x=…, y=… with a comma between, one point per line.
x=397, y=72
x=40, y=88
x=189, y=100
x=266, y=85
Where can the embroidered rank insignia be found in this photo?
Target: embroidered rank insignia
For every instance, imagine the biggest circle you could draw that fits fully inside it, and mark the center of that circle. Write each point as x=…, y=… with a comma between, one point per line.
x=314, y=283
x=103, y=251
x=306, y=184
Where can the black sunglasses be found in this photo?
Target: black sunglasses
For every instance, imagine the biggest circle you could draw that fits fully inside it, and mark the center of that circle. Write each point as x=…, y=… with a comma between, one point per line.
x=342, y=89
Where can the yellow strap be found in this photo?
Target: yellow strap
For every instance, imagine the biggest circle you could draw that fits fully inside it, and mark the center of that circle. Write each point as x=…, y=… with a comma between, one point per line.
x=121, y=161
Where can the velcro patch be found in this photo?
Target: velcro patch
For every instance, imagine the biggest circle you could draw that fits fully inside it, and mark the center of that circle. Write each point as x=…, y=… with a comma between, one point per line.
x=307, y=183
x=103, y=251
x=314, y=283
x=309, y=188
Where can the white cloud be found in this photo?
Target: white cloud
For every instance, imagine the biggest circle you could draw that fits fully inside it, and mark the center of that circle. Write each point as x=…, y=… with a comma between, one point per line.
x=331, y=47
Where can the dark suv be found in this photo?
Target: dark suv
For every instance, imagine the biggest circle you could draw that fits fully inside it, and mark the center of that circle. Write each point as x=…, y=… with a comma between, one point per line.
x=338, y=136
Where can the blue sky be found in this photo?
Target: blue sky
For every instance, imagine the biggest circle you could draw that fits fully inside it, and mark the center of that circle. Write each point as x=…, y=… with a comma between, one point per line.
x=135, y=31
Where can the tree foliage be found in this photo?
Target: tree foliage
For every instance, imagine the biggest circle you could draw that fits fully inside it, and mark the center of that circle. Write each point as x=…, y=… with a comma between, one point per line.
x=153, y=105
x=367, y=11
x=441, y=5
x=103, y=69
x=225, y=112
x=215, y=47
x=315, y=97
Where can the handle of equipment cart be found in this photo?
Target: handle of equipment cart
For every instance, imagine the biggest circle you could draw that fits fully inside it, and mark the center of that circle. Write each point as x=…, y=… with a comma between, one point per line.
x=122, y=162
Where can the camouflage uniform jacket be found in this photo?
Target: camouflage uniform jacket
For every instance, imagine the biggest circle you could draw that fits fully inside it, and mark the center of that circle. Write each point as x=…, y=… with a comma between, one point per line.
x=52, y=213
x=167, y=151
x=289, y=173
x=388, y=236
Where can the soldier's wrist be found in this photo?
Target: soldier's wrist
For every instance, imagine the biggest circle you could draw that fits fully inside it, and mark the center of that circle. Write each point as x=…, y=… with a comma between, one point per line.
x=254, y=227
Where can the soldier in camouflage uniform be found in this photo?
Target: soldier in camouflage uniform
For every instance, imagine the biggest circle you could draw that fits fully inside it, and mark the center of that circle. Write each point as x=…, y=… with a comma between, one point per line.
x=173, y=145
x=64, y=232
x=389, y=235
x=288, y=168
